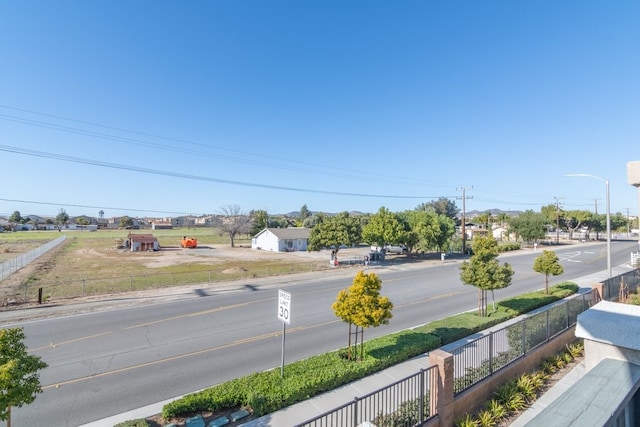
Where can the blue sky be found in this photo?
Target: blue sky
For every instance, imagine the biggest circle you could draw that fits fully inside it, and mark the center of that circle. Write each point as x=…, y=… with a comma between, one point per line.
x=158, y=108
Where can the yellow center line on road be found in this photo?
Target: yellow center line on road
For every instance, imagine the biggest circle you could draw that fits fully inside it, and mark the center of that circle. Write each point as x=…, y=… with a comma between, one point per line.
x=184, y=316
x=53, y=345
x=182, y=356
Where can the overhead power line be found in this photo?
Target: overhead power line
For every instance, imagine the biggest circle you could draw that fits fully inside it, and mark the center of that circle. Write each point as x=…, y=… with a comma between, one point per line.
x=262, y=158
x=95, y=207
x=79, y=160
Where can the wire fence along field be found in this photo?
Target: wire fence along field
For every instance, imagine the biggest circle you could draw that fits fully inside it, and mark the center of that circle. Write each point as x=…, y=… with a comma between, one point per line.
x=116, y=284
x=14, y=264
x=62, y=288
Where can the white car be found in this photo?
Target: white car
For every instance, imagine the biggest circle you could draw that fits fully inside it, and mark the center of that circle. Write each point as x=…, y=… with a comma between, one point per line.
x=391, y=249
x=396, y=249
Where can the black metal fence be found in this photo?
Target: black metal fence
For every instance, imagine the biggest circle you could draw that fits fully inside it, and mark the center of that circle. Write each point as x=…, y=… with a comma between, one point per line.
x=481, y=358
x=617, y=288
x=403, y=403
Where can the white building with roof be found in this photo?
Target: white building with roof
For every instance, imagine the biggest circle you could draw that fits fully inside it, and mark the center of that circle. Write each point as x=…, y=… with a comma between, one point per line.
x=281, y=239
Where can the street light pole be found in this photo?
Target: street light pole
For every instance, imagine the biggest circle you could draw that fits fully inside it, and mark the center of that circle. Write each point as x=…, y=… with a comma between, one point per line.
x=606, y=182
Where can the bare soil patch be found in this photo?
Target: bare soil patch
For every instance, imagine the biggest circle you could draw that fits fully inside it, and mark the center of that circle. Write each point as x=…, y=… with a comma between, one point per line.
x=66, y=261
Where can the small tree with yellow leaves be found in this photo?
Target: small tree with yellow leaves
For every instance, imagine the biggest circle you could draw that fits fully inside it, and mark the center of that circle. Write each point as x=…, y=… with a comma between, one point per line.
x=19, y=379
x=362, y=306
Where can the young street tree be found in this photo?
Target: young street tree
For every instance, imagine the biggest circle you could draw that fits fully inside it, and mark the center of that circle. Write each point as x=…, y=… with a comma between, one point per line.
x=361, y=305
x=547, y=263
x=484, y=272
x=19, y=379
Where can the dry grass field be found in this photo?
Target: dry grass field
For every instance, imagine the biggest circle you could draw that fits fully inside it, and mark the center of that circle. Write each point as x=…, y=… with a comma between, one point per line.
x=90, y=263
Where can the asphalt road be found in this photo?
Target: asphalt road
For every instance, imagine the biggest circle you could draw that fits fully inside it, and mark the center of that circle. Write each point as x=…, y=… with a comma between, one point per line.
x=112, y=361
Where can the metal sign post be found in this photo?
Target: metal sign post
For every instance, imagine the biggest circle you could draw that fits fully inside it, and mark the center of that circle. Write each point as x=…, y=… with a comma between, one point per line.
x=284, y=314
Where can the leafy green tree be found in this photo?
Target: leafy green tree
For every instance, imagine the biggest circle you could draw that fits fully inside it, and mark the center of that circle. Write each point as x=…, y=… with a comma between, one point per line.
x=552, y=214
x=333, y=231
x=62, y=218
x=502, y=219
x=619, y=222
x=258, y=221
x=362, y=306
x=125, y=222
x=83, y=221
x=547, y=263
x=384, y=228
x=447, y=232
x=313, y=220
x=573, y=220
x=19, y=379
x=15, y=219
x=485, y=219
x=304, y=212
x=442, y=206
x=529, y=225
x=426, y=230
x=485, y=272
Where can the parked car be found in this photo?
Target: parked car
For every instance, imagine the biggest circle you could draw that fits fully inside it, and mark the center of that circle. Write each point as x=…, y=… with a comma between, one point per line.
x=396, y=249
x=391, y=249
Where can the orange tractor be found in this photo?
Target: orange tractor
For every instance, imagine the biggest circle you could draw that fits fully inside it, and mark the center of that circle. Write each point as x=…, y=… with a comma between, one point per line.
x=189, y=242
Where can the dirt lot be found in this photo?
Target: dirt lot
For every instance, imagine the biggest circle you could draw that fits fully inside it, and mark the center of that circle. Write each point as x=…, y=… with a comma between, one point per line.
x=97, y=258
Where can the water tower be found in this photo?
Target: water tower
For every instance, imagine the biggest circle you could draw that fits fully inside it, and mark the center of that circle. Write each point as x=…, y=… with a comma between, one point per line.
x=633, y=177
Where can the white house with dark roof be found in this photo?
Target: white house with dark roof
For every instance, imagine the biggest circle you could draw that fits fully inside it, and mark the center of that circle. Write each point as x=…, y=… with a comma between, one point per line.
x=281, y=239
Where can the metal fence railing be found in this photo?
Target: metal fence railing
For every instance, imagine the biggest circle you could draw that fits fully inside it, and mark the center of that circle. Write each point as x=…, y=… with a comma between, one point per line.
x=403, y=403
x=619, y=286
x=11, y=266
x=481, y=358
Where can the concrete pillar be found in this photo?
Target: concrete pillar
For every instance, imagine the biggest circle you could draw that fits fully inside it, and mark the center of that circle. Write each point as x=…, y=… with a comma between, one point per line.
x=442, y=400
x=599, y=287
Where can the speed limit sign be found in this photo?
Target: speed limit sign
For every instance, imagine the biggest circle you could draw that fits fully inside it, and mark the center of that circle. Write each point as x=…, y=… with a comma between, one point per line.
x=284, y=306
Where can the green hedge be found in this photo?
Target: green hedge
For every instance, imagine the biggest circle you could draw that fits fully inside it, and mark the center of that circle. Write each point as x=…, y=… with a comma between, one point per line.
x=266, y=392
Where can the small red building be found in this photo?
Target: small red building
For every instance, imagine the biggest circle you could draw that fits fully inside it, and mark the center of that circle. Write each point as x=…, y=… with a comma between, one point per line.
x=143, y=243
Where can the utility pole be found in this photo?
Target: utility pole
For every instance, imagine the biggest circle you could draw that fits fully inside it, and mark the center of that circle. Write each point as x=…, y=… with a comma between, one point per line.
x=595, y=199
x=557, y=220
x=464, y=210
x=628, y=231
